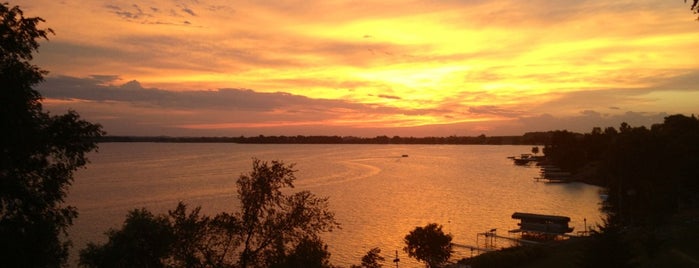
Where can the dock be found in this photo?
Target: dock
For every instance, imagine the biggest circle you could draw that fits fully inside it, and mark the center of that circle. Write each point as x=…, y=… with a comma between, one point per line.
x=518, y=240
x=534, y=229
x=472, y=247
x=553, y=174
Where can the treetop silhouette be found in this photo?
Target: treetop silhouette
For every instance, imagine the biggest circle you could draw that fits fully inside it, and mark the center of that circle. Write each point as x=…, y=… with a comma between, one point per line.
x=39, y=152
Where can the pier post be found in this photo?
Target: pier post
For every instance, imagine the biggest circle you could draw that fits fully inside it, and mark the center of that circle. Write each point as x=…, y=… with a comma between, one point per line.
x=396, y=260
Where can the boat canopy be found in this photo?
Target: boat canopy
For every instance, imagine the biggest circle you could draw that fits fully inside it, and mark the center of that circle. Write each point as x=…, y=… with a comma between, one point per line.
x=539, y=223
x=540, y=217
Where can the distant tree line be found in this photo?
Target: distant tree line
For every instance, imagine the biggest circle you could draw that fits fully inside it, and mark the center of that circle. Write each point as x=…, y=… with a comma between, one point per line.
x=530, y=138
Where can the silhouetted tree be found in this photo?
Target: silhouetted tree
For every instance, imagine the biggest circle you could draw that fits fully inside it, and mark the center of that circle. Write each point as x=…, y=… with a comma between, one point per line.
x=565, y=150
x=372, y=259
x=273, y=229
x=39, y=152
x=649, y=173
x=176, y=239
x=197, y=239
x=429, y=244
x=310, y=252
x=694, y=7
x=608, y=248
x=270, y=220
x=145, y=240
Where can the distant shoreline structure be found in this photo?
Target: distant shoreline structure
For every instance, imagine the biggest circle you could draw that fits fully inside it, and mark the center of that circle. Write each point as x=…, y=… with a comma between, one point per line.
x=531, y=138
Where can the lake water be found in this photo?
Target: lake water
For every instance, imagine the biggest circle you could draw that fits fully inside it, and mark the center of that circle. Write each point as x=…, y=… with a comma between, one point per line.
x=378, y=196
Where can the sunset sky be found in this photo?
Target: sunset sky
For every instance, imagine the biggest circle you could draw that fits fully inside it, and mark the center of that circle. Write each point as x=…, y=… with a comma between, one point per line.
x=367, y=68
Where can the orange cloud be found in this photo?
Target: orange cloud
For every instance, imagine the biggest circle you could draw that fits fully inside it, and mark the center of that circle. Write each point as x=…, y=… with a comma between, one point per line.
x=452, y=61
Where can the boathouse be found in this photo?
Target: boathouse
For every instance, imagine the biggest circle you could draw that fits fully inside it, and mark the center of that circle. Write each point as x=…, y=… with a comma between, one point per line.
x=542, y=224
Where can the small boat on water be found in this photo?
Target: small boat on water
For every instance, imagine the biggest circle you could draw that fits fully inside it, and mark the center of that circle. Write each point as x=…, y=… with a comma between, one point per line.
x=524, y=159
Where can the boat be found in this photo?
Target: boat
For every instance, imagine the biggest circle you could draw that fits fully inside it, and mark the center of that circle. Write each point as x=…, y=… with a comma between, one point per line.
x=521, y=161
x=524, y=159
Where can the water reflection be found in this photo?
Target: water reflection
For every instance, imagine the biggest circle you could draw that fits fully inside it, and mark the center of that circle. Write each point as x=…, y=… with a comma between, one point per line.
x=377, y=194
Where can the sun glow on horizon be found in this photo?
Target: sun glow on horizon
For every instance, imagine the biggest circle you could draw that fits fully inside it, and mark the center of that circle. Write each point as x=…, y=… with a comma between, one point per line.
x=398, y=64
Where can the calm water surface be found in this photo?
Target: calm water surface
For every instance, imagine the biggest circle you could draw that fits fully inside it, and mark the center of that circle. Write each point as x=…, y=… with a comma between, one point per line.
x=377, y=195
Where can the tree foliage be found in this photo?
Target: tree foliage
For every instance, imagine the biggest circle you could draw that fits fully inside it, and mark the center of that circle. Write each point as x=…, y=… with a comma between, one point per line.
x=649, y=173
x=176, y=239
x=372, y=259
x=271, y=220
x=651, y=178
x=39, y=154
x=429, y=244
x=694, y=7
x=272, y=229
x=309, y=252
x=143, y=241
x=608, y=248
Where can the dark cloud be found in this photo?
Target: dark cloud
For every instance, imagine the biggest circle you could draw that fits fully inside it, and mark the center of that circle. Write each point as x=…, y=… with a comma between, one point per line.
x=105, y=78
x=133, y=12
x=189, y=11
x=151, y=15
x=389, y=97
x=112, y=7
x=129, y=106
x=95, y=88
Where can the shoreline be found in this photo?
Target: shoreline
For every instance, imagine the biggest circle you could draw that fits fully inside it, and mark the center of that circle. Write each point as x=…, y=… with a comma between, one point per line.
x=300, y=139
